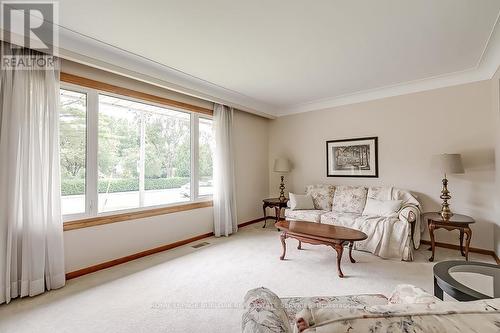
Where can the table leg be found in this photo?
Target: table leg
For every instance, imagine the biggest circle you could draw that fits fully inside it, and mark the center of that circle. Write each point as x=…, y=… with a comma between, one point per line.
x=265, y=216
x=468, y=233
x=462, y=242
x=351, y=244
x=299, y=247
x=283, y=243
x=278, y=213
x=433, y=244
x=340, y=249
x=438, y=292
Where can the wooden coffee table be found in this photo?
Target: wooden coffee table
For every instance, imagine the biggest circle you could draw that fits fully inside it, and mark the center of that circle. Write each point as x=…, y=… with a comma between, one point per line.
x=320, y=234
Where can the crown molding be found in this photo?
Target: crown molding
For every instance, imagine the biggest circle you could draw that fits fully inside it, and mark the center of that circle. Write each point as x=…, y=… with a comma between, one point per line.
x=405, y=88
x=77, y=47
x=485, y=69
x=92, y=52
x=85, y=50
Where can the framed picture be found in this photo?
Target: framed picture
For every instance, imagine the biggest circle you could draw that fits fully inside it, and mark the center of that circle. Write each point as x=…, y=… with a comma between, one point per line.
x=352, y=158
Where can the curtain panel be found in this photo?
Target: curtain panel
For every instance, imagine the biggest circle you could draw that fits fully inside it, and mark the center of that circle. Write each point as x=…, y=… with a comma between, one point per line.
x=31, y=226
x=225, y=220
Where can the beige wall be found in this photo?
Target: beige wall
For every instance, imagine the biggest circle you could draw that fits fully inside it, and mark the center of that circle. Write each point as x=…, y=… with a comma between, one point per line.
x=251, y=137
x=411, y=128
x=91, y=246
x=495, y=87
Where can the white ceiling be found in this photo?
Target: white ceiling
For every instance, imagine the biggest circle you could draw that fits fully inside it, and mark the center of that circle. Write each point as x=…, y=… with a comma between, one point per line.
x=295, y=55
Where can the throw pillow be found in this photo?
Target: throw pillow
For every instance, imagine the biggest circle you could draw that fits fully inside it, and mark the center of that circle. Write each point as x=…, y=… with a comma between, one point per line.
x=301, y=201
x=349, y=199
x=381, y=207
x=322, y=195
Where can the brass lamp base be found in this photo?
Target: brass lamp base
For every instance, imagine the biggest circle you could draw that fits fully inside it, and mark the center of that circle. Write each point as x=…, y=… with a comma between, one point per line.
x=282, y=189
x=446, y=213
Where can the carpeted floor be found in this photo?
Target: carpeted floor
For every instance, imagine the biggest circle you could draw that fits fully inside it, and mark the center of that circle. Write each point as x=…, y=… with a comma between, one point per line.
x=201, y=290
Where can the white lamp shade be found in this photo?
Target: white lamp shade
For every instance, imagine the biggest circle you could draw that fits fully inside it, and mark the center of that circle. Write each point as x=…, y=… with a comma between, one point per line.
x=451, y=163
x=282, y=165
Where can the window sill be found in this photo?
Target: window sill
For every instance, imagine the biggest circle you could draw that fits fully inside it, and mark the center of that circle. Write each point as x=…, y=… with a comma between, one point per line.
x=101, y=220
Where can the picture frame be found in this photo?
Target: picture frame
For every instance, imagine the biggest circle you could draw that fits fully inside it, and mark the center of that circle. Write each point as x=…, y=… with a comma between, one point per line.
x=352, y=157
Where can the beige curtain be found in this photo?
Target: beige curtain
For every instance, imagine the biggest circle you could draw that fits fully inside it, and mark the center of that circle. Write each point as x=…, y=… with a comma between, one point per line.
x=31, y=229
x=225, y=221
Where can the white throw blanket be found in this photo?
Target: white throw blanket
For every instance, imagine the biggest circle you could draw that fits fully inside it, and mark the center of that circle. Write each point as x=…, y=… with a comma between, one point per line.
x=410, y=203
x=387, y=236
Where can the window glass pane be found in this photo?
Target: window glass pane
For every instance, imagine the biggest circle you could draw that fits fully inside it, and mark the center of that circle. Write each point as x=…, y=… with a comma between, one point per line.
x=73, y=118
x=206, y=152
x=167, y=156
x=118, y=154
x=143, y=155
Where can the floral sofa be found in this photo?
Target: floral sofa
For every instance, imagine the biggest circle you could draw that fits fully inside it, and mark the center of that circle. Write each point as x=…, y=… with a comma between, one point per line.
x=408, y=309
x=389, y=236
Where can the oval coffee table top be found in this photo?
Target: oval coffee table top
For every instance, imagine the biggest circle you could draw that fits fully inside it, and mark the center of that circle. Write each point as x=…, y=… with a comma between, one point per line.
x=321, y=231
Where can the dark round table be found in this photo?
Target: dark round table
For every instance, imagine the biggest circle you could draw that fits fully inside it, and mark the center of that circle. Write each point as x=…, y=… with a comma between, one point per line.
x=444, y=281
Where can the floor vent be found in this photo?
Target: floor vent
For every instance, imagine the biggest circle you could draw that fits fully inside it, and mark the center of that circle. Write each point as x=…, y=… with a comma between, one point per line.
x=197, y=246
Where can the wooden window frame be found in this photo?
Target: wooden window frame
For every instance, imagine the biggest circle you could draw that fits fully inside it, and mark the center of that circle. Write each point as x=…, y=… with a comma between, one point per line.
x=78, y=221
x=140, y=214
x=101, y=86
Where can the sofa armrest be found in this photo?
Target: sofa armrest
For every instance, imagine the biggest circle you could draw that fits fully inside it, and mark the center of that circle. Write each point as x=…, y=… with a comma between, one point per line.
x=411, y=215
x=264, y=313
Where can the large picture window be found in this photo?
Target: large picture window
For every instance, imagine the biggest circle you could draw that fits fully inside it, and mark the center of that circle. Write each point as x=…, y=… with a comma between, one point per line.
x=72, y=138
x=120, y=154
x=206, y=152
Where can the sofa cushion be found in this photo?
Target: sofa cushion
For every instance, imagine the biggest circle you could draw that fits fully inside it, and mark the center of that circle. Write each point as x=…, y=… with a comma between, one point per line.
x=379, y=193
x=342, y=219
x=300, y=201
x=349, y=199
x=264, y=313
x=322, y=195
x=310, y=215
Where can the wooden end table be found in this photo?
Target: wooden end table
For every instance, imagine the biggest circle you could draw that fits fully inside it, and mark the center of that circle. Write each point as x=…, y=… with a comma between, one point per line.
x=456, y=222
x=275, y=203
x=320, y=234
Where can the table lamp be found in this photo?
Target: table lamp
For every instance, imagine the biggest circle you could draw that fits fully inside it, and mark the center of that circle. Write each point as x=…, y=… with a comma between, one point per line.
x=282, y=165
x=450, y=164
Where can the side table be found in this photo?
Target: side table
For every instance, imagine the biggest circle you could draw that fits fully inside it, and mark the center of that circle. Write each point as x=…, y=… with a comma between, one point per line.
x=456, y=222
x=444, y=281
x=275, y=203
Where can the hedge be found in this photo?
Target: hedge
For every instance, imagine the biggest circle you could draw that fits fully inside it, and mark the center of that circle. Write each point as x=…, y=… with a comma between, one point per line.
x=77, y=186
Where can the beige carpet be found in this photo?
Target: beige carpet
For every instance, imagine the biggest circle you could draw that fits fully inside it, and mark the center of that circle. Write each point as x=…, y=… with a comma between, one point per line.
x=200, y=290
